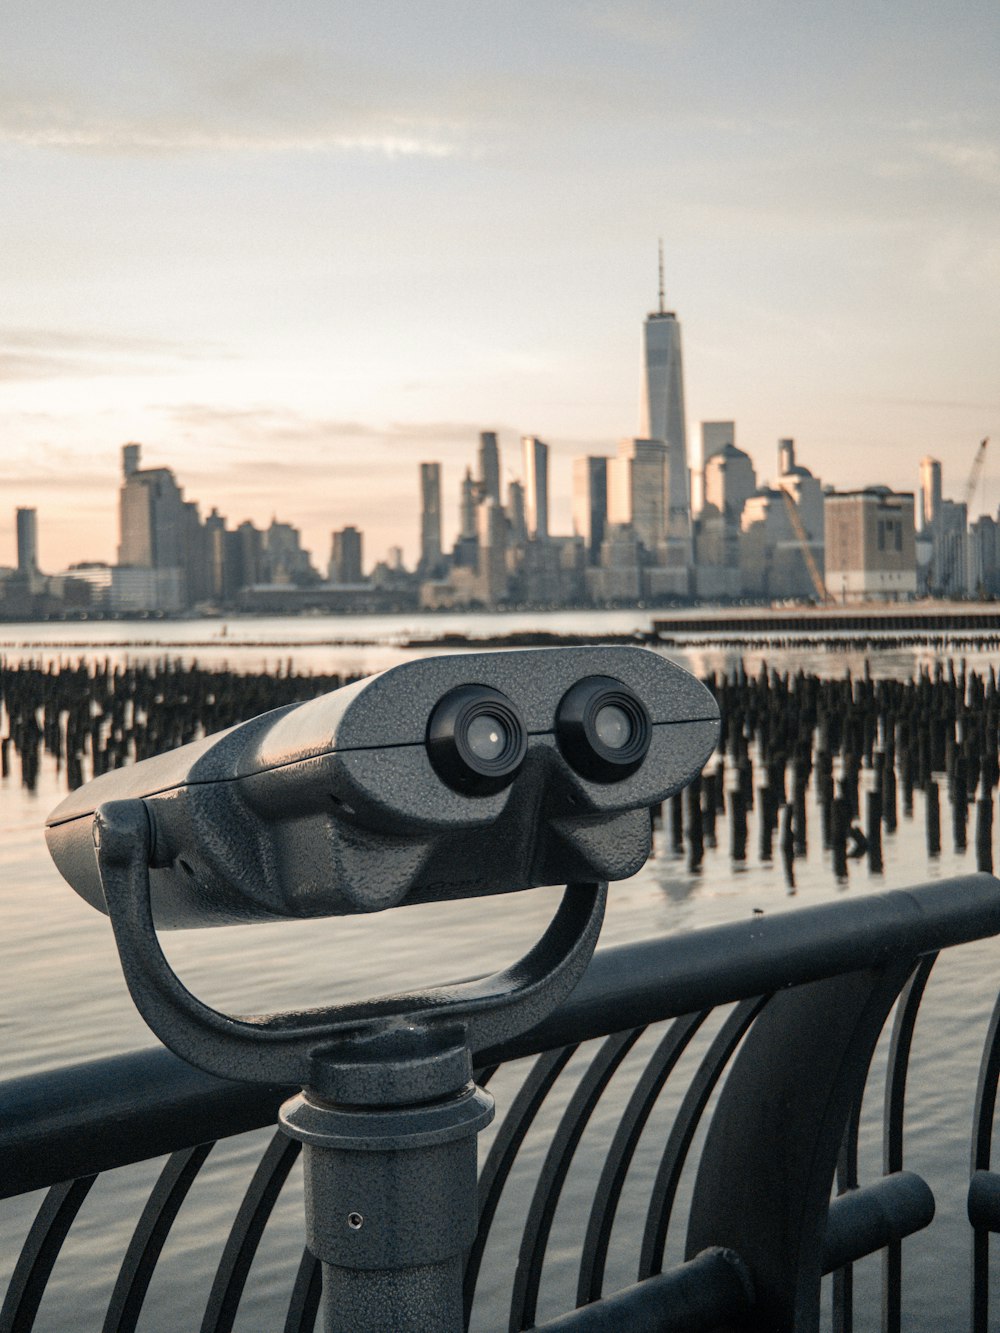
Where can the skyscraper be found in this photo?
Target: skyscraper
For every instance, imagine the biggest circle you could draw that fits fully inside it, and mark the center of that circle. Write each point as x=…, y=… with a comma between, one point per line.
x=930, y=493
x=639, y=488
x=489, y=467
x=663, y=408
x=515, y=513
x=590, y=503
x=715, y=437
x=430, y=518
x=345, y=556
x=151, y=512
x=467, y=509
x=536, y=487
x=27, y=542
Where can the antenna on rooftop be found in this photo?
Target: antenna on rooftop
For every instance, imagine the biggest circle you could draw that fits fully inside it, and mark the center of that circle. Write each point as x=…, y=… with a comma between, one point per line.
x=662, y=308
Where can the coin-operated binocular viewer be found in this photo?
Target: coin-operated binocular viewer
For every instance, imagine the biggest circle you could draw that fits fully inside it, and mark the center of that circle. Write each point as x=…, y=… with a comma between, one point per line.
x=453, y=777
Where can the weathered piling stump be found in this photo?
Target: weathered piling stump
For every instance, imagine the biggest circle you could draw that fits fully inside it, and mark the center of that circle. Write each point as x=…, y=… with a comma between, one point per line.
x=984, y=834
x=677, y=822
x=873, y=829
x=737, y=825
x=933, y=819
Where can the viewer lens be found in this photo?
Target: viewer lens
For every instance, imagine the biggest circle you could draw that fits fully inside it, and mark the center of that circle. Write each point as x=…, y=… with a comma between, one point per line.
x=612, y=726
x=486, y=736
x=476, y=740
x=603, y=729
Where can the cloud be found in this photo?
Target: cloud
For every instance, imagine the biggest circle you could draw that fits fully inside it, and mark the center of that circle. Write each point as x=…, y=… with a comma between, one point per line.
x=53, y=467
x=33, y=354
x=950, y=405
x=268, y=422
x=979, y=162
x=206, y=99
x=644, y=24
x=263, y=422
x=129, y=138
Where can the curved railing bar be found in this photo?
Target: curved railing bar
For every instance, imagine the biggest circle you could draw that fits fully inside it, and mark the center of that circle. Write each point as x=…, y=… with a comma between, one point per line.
x=149, y=1237
x=149, y=1103
x=552, y=1176
x=682, y=1134
x=304, y=1304
x=503, y=1153
x=590, y=1283
x=278, y=1047
x=247, y=1229
x=40, y=1252
x=982, y=1143
x=900, y=1045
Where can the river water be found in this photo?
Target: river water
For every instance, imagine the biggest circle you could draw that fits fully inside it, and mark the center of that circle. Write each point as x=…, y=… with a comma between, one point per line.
x=62, y=998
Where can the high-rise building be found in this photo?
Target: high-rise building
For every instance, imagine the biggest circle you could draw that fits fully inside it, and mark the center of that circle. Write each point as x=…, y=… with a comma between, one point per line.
x=805, y=490
x=27, y=542
x=516, y=513
x=430, y=519
x=590, y=503
x=215, y=557
x=244, y=557
x=152, y=518
x=467, y=515
x=536, y=487
x=663, y=408
x=715, y=437
x=286, y=560
x=489, y=467
x=950, y=571
x=492, y=582
x=130, y=458
x=155, y=532
x=930, y=493
x=730, y=480
x=638, y=488
x=345, y=556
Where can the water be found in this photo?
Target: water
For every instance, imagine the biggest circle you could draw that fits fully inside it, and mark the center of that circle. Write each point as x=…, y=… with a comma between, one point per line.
x=62, y=998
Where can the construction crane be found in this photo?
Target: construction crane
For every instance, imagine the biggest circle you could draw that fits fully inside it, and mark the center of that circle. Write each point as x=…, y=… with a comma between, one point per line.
x=975, y=473
x=802, y=537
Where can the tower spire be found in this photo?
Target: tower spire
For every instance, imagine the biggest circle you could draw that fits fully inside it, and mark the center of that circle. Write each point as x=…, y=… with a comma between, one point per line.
x=662, y=309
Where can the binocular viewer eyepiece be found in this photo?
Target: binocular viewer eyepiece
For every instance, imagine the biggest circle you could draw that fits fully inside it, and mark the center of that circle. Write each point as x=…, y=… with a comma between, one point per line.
x=449, y=777
x=477, y=740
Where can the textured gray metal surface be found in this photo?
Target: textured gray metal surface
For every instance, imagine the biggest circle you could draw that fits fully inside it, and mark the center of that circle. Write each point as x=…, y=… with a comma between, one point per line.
x=332, y=806
x=335, y=806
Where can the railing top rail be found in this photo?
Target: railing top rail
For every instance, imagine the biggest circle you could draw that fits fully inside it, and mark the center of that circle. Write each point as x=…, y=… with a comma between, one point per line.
x=102, y=1114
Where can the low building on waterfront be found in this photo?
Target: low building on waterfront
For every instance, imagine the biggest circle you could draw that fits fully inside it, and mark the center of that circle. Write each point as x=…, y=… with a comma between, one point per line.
x=870, y=545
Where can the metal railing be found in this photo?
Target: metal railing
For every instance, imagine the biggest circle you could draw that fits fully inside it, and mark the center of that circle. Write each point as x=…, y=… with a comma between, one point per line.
x=764, y=1132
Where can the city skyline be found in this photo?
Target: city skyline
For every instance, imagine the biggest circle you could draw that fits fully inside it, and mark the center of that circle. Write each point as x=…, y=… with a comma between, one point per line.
x=302, y=254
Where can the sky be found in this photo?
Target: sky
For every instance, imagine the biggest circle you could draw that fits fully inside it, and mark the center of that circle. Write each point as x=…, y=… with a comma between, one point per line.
x=297, y=248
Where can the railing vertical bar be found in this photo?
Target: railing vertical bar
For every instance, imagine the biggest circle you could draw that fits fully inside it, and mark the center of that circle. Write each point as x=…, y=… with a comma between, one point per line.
x=616, y=1166
x=247, y=1229
x=982, y=1143
x=842, y=1320
x=149, y=1237
x=552, y=1177
x=503, y=1153
x=892, y=1144
x=304, y=1304
x=682, y=1134
x=39, y=1253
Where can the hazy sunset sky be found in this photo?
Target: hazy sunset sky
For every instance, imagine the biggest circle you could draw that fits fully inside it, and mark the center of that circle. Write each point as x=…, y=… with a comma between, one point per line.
x=296, y=248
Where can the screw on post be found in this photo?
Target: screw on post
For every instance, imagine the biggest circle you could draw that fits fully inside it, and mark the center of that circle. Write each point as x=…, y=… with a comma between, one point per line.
x=444, y=779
